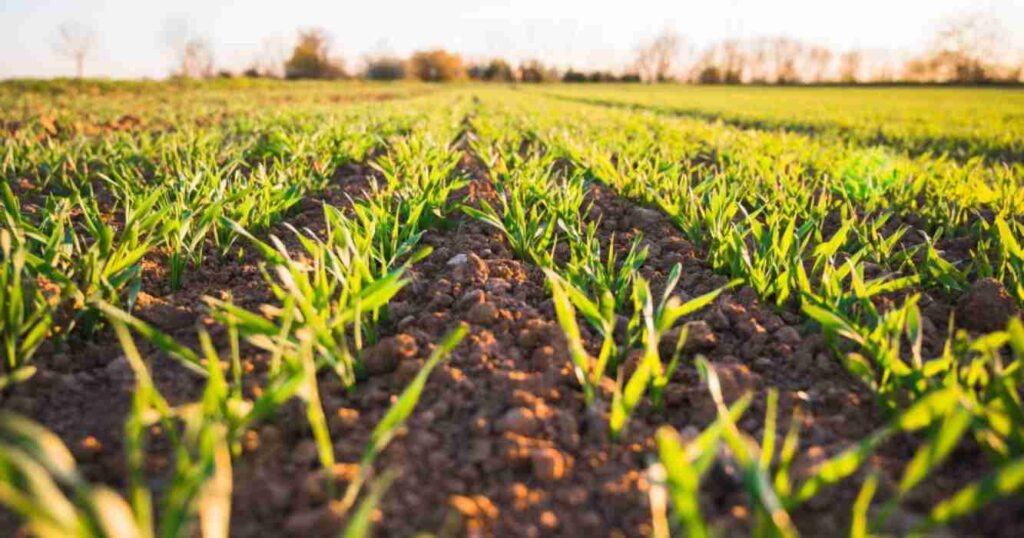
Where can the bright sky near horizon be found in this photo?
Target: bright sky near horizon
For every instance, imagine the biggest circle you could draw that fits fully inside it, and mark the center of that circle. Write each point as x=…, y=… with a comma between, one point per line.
x=583, y=33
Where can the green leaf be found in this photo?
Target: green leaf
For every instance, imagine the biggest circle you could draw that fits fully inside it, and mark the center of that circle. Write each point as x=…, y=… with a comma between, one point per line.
x=859, y=521
x=839, y=467
x=682, y=481
x=930, y=455
x=361, y=522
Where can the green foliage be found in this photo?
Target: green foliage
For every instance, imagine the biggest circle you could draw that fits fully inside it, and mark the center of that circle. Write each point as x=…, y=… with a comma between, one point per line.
x=27, y=315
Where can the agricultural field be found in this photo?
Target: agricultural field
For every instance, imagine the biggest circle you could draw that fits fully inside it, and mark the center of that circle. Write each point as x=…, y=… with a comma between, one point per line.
x=321, y=309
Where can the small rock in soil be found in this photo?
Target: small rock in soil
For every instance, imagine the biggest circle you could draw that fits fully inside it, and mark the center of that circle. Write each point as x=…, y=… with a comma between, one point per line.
x=519, y=420
x=772, y=323
x=699, y=336
x=407, y=371
x=986, y=307
x=385, y=356
x=472, y=297
x=344, y=419
x=497, y=285
x=305, y=453
x=647, y=217
x=549, y=520
x=736, y=379
x=788, y=335
x=482, y=314
x=473, y=270
x=548, y=464
x=119, y=370
x=717, y=319
x=749, y=328
x=534, y=332
x=458, y=259
x=543, y=357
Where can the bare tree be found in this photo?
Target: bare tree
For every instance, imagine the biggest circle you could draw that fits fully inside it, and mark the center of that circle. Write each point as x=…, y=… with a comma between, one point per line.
x=880, y=66
x=820, y=59
x=785, y=53
x=644, y=63
x=722, y=62
x=193, y=55
x=75, y=42
x=965, y=45
x=733, y=60
x=656, y=59
x=849, y=66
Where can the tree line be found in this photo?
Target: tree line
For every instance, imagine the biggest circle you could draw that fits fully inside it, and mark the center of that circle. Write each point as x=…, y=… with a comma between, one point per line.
x=963, y=50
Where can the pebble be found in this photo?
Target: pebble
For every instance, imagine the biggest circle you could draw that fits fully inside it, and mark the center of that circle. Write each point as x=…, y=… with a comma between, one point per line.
x=270, y=434
x=548, y=520
x=689, y=433
x=305, y=453
x=465, y=505
x=749, y=328
x=519, y=420
x=773, y=323
x=788, y=335
x=344, y=419
x=717, y=319
x=735, y=379
x=315, y=522
x=699, y=336
x=406, y=371
x=119, y=370
x=88, y=447
x=648, y=217
x=823, y=361
x=497, y=285
x=590, y=520
x=482, y=314
x=534, y=332
x=384, y=357
x=471, y=298
x=763, y=364
x=542, y=358
x=473, y=270
x=548, y=464
x=986, y=307
x=480, y=450
x=573, y=495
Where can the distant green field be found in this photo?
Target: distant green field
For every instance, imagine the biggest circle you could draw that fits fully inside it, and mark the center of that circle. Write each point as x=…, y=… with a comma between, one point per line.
x=964, y=122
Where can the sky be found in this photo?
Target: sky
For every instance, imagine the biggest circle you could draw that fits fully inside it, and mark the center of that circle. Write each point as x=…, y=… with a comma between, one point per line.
x=589, y=34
